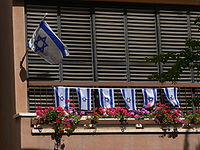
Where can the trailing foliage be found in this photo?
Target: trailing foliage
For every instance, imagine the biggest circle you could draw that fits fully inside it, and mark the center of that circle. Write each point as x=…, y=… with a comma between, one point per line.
x=186, y=59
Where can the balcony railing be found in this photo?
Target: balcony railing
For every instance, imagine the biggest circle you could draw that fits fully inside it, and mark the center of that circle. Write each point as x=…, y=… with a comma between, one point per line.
x=40, y=93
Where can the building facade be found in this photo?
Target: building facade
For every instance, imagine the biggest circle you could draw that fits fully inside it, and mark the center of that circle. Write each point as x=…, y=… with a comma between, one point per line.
x=108, y=41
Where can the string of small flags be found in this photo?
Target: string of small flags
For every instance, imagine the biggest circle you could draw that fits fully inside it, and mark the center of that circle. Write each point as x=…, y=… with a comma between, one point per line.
x=106, y=97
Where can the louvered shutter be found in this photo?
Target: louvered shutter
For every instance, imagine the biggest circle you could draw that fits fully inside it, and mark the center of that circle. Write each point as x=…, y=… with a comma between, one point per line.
x=141, y=43
x=195, y=35
x=38, y=68
x=110, y=45
x=76, y=34
x=174, y=33
x=40, y=96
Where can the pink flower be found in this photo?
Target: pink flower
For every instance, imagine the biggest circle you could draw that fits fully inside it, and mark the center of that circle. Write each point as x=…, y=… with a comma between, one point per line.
x=95, y=113
x=137, y=116
x=71, y=119
x=164, y=111
x=46, y=110
x=51, y=108
x=63, y=113
x=118, y=108
x=41, y=114
x=37, y=112
x=39, y=107
x=176, y=113
x=65, y=120
x=178, y=120
x=158, y=115
x=68, y=126
x=72, y=105
x=88, y=114
x=60, y=108
x=111, y=113
x=82, y=113
x=61, y=130
x=68, y=101
x=57, y=121
x=138, y=111
x=198, y=111
x=169, y=115
x=124, y=111
x=149, y=105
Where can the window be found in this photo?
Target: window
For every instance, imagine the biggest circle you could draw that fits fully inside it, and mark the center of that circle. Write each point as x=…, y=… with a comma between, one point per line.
x=108, y=44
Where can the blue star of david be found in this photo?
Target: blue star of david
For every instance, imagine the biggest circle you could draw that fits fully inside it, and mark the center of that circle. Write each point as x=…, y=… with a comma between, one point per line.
x=106, y=99
x=62, y=98
x=150, y=99
x=128, y=99
x=84, y=99
x=40, y=44
x=171, y=97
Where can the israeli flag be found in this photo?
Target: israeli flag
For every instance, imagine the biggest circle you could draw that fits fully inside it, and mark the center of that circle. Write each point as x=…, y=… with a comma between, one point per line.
x=150, y=97
x=46, y=43
x=129, y=98
x=171, y=94
x=84, y=95
x=61, y=95
x=106, y=97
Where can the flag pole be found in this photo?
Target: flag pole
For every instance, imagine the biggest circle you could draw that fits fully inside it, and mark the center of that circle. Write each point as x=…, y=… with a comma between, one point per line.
x=44, y=16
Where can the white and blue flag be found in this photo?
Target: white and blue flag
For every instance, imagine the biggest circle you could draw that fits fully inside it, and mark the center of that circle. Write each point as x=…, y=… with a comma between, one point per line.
x=84, y=95
x=128, y=95
x=61, y=95
x=106, y=97
x=46, y=43
x=171, y=94
x=150, y=97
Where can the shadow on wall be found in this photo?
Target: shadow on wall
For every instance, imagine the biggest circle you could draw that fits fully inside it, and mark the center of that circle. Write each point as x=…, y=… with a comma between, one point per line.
x=198, y=147
x=186, y=143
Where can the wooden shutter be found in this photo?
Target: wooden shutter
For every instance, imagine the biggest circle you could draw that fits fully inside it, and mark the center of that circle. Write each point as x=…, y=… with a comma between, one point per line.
x=174, y=33
x=38, y=68
x=141, y=43
x=40, y=96
x=76, y=34
x=110, y=45
x=195, y=35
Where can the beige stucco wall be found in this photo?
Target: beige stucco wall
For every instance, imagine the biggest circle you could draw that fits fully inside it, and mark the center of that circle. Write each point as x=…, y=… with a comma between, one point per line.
x=122, y=141
x=19, y=45
x=9, y=129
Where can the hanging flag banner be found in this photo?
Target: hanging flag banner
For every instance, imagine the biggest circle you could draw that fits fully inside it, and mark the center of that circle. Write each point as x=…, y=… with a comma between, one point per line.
x=61, y=95
x=84, y=95
x=171, y=94
x=129, y=98
x=46, y=43
x=150, y=97
x=106, y=97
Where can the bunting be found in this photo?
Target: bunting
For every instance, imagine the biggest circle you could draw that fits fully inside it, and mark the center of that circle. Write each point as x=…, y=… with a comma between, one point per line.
x=129, y=98
x=84, y=95
x=61, y=95
x=106, y=97
x=171, y=94
x=150, y=97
